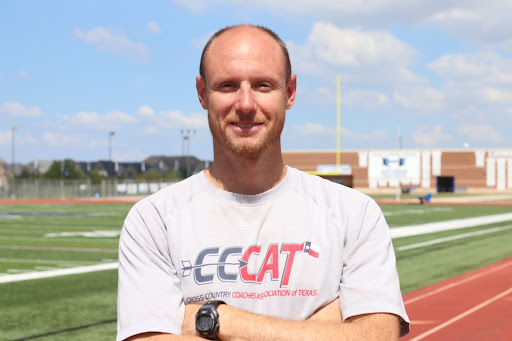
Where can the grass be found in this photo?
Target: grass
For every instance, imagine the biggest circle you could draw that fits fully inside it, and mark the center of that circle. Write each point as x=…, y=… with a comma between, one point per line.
x=83, y=307
x=421, y=267
x=75, y=307
x=37, y=307
x=400, y=215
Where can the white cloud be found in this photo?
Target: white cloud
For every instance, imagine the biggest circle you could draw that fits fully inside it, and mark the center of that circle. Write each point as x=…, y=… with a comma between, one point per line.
x=452, y=14
x=146, y=111
x=153, y=26
x=195, y=120
x=21, y=139
x=113, y=120
x=314, y=129
x=15, y=109
x=113, y=40
x=477, y=87
x=154, y=123
x=61, y=140
x=480, y=133
x=480, y=21
x=429, y=136
x=351, y=10
x=348, y=47
x=318, y=136
x=365, y=99
x=5, y=137
x=494, y=95
x=490, y=68
x=361, y=57
x=420, y=100
x=485, y=22
x=196, y=6
x=458, y=66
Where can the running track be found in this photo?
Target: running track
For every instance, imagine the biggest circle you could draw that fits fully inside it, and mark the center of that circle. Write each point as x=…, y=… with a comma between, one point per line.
x=473, y=306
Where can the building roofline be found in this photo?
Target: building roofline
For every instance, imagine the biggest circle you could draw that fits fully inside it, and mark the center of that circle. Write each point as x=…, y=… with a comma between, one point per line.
x=296, y=151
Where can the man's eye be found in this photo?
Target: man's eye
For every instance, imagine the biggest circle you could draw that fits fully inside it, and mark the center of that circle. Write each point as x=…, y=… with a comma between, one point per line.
x=263, y=86
x=227, y=87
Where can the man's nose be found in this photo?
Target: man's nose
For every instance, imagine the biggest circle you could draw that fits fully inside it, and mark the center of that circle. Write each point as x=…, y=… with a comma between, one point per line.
x=246, y=102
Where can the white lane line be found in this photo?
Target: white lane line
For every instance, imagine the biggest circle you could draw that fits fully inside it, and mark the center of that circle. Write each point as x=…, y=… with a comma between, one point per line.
x=414, y=230
x=454, y=284
x=45, y=261
x=396, y=232
x=464, y=314
x=455, y=237
x=57, y=272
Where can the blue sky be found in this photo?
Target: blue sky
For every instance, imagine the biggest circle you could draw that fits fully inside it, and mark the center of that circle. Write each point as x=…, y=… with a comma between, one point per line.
x=72, y=71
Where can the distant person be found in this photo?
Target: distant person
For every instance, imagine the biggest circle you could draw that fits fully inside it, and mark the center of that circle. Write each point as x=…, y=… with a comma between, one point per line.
x=251, y=248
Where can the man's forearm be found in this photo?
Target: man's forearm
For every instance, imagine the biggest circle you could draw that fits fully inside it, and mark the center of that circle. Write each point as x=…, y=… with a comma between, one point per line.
x=237, y=324
x=326, y=324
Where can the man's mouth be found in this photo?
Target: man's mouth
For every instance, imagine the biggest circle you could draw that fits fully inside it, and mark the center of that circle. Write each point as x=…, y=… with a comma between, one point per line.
x=246, y=128
x=246, y=125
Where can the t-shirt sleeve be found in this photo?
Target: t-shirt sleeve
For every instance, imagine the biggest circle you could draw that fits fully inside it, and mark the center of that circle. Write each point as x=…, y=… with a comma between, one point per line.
x=369, y=280
x=149, y=294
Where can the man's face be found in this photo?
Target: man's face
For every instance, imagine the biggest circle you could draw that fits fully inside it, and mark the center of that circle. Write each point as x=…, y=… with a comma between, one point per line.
x=245, y=91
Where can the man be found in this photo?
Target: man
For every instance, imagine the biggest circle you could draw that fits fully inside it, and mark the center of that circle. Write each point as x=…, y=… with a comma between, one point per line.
x=283, y=255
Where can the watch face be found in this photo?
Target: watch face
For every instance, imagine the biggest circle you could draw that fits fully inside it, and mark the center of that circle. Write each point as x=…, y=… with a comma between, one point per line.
x=204, y=323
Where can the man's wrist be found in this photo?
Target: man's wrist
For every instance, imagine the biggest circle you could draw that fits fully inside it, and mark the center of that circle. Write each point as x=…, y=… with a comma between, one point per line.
x=223, y=311
x=207, y=320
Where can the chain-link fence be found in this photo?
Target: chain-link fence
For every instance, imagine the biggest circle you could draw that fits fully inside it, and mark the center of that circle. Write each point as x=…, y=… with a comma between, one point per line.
x=63, y=189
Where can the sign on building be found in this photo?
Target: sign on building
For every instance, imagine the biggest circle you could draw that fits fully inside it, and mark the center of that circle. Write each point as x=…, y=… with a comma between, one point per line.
x=391, y=168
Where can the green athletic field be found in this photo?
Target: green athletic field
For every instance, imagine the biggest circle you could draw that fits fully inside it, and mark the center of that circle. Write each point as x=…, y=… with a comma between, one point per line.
x=83, y=307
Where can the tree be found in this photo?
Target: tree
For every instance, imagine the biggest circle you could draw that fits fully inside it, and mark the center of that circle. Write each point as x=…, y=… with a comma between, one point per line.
x=67, y=171
x=153, y=176
x=25, y=174
x=96, y=177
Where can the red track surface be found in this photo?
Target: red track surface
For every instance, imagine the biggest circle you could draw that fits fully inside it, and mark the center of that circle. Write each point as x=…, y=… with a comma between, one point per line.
x=473, y=306
x=68, y=201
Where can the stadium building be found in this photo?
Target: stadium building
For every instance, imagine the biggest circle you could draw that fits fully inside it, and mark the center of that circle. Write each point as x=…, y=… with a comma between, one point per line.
x=440, y=170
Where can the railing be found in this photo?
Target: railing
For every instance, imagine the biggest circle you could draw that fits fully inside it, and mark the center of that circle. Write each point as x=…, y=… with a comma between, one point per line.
x=45, y=189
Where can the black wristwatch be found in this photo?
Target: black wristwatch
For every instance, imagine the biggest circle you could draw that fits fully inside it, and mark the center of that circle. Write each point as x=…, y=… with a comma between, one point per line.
x=207, y=320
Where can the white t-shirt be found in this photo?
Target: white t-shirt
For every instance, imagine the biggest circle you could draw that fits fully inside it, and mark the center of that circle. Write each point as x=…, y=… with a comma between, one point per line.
x=283, y=253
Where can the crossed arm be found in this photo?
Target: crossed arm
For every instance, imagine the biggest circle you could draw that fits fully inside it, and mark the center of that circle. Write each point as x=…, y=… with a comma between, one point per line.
x=325, y=324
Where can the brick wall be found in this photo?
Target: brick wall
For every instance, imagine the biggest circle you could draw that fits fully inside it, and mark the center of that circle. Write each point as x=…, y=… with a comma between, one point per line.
x=461, y=164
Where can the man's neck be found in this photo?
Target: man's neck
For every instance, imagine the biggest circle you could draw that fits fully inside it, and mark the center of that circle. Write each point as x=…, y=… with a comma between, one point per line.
x=242, y=175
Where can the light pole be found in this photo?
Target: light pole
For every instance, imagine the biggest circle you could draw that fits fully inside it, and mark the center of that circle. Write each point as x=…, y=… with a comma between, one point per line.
x=187, y=134
x=110, y=145
x=13, y=149
x=13, y=159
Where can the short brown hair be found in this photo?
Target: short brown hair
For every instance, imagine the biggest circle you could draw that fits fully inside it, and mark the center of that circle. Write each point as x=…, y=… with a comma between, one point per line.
x=278, y=40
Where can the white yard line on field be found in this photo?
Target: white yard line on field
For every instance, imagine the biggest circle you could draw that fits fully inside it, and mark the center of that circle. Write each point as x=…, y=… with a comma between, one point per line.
x=414, y=230
x=45, y=261
x=456, y=237
x=58, y=272
x=397, y=232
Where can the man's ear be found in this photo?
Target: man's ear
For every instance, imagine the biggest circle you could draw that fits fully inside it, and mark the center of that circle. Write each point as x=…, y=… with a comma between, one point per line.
x=291, y=91
x=201, y=92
